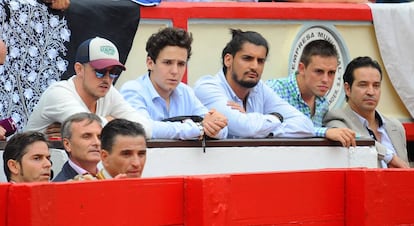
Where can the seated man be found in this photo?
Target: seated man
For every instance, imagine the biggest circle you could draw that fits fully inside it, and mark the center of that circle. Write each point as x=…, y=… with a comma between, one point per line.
x=306, y=89
x=90, y=90
x=26, y=158
x=160, y=94
x=252, y=108
x=81, y=139
x=124, y=150
x=362, y=82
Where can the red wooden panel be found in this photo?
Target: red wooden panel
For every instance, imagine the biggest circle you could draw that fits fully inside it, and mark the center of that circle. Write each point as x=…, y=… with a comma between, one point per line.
x=379, y=197
x=251, y=10
x=207, y=200
x=409, y=131
x=111, y=202
x=4, y=190
x=284, y=198
x=303, y=198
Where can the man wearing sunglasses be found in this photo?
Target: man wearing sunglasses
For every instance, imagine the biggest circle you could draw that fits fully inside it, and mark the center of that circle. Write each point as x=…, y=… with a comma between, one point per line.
x=90, y=90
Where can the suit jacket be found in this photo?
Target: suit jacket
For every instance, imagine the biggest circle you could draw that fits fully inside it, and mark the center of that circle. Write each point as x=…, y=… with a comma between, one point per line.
x=346, y=118
x=66, y=173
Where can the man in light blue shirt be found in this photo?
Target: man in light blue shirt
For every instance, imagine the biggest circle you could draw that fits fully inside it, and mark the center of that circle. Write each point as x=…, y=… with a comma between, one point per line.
x=252, y=108
x=160, y=94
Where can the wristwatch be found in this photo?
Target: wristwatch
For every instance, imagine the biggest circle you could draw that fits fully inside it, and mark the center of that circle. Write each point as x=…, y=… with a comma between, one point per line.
x=278, y=115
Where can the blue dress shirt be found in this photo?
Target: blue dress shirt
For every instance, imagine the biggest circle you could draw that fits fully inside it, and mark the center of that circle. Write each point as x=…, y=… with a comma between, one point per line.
x=257, y=122
x=141, y=94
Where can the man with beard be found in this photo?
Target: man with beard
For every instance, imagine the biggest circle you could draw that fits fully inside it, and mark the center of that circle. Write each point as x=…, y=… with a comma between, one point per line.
x=26, y=158
x=90, y=90
x=253, y=110
x=362, y=82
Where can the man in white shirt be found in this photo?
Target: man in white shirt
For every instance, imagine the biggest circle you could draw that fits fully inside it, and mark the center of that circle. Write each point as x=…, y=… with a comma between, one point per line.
x=90, y=90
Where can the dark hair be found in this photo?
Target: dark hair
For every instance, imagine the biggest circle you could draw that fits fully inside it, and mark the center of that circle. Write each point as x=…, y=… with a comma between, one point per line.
x=16, y=147
x=66, y=129
x=169, y=36
x=356, y=63
x=122, y=127
x=240, y=37
x=318, y=48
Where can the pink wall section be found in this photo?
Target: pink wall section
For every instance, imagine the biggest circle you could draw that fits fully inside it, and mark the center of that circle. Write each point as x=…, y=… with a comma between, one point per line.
x=327, y=197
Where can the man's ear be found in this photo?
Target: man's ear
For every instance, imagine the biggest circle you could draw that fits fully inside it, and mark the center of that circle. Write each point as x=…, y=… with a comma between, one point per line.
x=104, y=157
x=14, y=167
x=66, y=145
x=79, y=68
x=228, y=60
x=150, y=63
x=301, y=68
x=347, y=89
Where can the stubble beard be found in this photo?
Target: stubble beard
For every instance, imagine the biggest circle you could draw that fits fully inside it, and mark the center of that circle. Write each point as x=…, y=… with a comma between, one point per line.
x=245, y=84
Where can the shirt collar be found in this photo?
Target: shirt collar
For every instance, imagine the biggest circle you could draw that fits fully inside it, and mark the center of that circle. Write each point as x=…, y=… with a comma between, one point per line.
x=77, y=168
x=153, y=92
x=378, y=117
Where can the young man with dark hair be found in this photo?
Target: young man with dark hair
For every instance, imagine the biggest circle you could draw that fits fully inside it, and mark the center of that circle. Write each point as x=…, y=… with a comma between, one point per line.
x=306, y=89
x=160, y=94
x=26, y=158
x=124, y=150
x=252, y=108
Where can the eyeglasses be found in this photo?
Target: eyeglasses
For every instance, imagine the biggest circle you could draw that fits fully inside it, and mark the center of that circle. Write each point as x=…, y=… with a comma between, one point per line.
x=113, y=73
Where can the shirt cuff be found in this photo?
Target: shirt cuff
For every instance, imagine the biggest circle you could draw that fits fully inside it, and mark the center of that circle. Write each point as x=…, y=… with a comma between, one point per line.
x=388, y=157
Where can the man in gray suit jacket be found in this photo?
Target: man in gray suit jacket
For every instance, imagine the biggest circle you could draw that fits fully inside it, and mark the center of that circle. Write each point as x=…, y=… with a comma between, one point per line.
x=362, y=82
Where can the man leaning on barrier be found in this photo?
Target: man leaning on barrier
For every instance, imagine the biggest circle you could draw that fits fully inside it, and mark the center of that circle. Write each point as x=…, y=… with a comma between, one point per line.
x=253, y=110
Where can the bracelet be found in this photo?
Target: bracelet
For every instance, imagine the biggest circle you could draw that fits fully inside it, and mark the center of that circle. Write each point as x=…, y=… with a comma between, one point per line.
x=278, y=115
x=201, y=128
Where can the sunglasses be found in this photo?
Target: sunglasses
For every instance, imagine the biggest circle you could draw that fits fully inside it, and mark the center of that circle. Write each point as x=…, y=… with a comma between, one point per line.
x=113, y=73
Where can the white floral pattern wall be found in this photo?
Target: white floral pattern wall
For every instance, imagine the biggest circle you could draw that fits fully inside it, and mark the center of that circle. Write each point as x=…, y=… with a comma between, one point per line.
x=35, y=39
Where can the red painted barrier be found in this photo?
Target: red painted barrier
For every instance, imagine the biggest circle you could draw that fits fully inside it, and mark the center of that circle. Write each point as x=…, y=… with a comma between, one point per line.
x=343, y=197
x=409, y=131
x=379, y=197
x=111, y=202
x=4, y=189
x=302, y=198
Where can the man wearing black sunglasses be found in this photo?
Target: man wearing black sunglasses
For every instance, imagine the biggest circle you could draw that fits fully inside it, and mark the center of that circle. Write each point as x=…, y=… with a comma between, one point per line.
x=90, y=90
